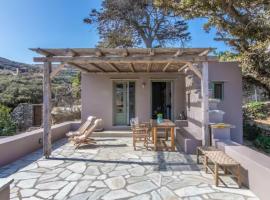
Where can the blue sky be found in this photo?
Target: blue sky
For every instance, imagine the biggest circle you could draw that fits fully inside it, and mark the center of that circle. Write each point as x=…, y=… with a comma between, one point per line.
x=59, y=24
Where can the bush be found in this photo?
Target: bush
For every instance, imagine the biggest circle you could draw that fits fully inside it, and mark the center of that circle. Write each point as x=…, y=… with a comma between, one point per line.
x=263, y=142
x=7, y=126
x=255, y=110
x=251, y=132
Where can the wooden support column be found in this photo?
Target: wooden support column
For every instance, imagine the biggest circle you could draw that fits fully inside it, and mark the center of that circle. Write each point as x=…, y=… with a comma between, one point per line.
x=205, y=104
x=47, y=109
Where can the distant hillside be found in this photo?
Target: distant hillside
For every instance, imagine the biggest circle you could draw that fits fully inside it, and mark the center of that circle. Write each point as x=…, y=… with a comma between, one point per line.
x=22, y=83
x=7, y=65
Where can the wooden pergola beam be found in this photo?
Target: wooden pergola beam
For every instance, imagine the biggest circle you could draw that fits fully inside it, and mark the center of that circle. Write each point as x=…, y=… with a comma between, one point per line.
x=128, y=59
x=152, y=52
x=57, y=70
x=166, y=67
x=131, y=67
x=99, y=53
x=178, y=53
x=149, y=66
x=120, y=51
x=44, y=52
x=72, y=52
x=125, y=53
x=113, y=67
x=195, y=70
x=205, y=52
x=183, y=67
x=97, y=67
x=79, y=67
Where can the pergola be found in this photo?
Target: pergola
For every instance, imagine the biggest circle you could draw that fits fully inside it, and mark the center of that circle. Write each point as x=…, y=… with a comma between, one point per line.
x=122, y=61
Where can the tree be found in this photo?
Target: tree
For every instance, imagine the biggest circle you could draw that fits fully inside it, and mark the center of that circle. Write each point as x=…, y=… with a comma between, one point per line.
x=129, y=23
x=242, y=24
x=7, y=126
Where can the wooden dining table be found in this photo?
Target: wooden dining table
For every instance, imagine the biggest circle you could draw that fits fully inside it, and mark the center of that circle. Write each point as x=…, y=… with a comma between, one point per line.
x=165, y=125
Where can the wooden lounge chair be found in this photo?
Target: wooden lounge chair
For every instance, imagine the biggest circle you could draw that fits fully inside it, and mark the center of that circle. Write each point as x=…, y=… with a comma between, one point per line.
x=140, y=132
x=85, y=138
x=90, y=120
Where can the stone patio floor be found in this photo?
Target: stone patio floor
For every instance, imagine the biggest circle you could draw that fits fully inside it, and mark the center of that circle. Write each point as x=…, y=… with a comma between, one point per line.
x=111, y=169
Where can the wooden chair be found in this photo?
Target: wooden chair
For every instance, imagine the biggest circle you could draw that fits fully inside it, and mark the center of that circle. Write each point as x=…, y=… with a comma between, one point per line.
x=85, y=138
x=89, y=122
x=140, y=132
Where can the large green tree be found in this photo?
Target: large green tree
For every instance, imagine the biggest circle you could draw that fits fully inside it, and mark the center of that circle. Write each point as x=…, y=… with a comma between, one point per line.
x=242, y=24
x=129, y=23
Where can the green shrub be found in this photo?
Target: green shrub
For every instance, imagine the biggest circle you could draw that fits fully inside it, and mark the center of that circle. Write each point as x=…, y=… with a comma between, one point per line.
x=251, y=132
x=263, y=142
x=7, y=126
x=255, y=110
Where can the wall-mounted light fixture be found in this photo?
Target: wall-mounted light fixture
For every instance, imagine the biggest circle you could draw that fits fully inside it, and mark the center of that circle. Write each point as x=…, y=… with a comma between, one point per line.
x=143, y=84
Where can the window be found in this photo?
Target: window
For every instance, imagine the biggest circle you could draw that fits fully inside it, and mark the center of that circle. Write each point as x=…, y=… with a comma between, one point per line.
x=218, y=90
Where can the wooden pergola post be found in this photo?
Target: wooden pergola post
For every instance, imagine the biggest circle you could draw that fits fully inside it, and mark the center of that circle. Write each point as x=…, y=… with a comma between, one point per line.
x=205, y=104
x=47, y=109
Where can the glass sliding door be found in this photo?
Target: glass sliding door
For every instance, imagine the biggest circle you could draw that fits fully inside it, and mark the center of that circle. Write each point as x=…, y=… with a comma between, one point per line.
x=124, y=102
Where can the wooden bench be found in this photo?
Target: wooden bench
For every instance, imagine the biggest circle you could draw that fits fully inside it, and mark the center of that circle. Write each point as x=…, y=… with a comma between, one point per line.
x=221, y=161
x=201, y=152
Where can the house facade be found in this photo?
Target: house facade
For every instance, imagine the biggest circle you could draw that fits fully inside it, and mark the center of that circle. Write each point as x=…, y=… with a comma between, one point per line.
x=116, y=98
x=185, y=85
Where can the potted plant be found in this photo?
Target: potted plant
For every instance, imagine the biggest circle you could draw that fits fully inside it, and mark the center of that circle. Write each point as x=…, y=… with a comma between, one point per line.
x=159, y=118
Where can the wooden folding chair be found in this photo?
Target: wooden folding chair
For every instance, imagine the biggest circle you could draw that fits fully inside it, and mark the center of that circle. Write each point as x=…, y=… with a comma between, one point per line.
x=85, y=138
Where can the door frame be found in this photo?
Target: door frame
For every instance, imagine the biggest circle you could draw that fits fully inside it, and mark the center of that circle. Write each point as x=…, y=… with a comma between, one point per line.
x=113, y=100
x=172, y=95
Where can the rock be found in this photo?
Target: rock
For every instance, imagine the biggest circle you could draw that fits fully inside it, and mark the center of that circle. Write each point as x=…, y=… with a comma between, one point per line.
x=118, y=173
x=64, y=192
x=92, y=171
x=73, y=177
x=27, y=183
x=167, y=194
x=65, y=174
x=78, y=167
x=156, y=178
x=117, y=194
x=46, y=177
x=226, y=196
x=116, y=183
x=49, y=163
x=98, y=184
x=155, y=196
x=56, y=185
x=83, y=196
x=141, y=187
x=193, y=191
x=102, y=177
x=137, y=171
x=28, y=192
x=25, y=175
x=80, y=187
x=98, y=193
x=47, y=193
x=142, y=197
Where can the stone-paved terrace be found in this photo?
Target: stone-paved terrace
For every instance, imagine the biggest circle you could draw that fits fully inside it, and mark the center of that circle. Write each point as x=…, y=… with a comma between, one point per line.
x=111, y=169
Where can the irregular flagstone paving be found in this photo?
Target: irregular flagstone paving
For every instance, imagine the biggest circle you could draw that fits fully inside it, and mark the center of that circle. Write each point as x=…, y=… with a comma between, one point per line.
x=111, y=169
